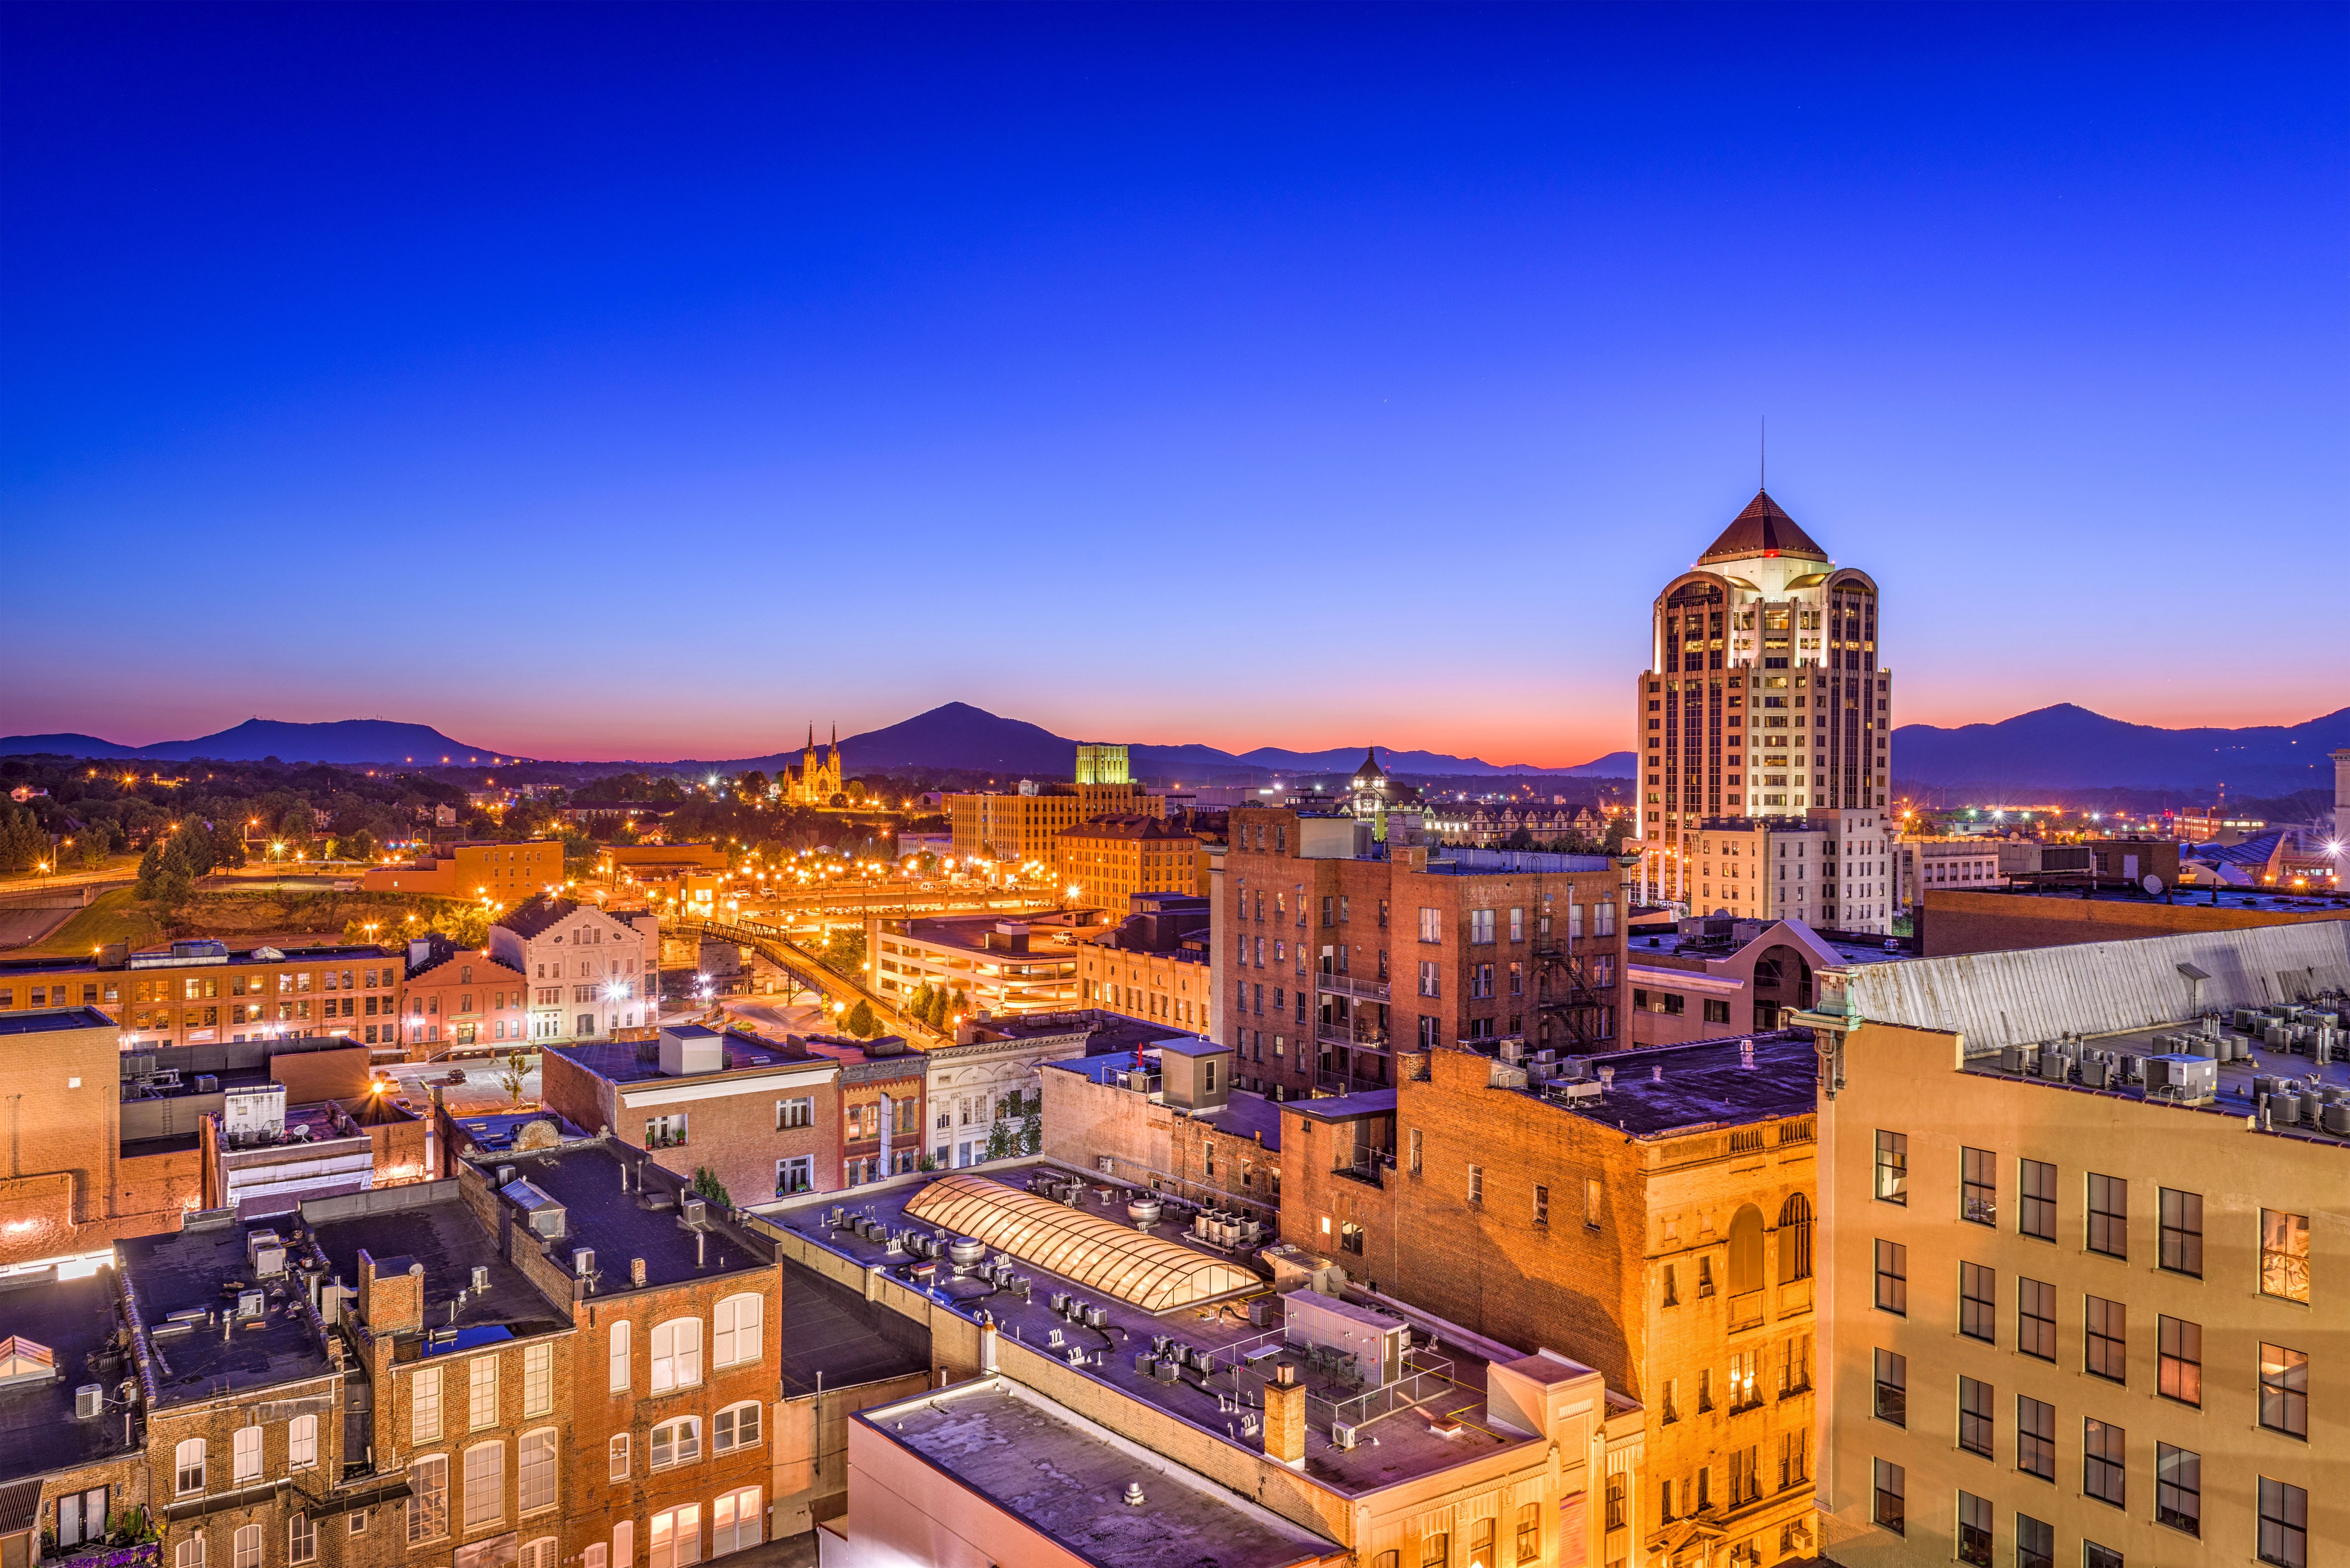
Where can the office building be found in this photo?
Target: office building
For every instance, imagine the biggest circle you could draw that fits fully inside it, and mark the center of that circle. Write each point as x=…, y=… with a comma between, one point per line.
x=1153, y=965
x=2085, y=1247
x=1111, y=859
x=505, y=873
x=205, y=992
x=1830, y=867
x=1764, y=695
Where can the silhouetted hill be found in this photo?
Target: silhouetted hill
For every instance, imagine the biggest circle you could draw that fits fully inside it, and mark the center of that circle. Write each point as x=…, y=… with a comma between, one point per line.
x=2069, y=747
x=347, y=741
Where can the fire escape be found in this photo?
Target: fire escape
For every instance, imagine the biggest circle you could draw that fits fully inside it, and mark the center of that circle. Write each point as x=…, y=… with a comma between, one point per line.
x=1564, y=997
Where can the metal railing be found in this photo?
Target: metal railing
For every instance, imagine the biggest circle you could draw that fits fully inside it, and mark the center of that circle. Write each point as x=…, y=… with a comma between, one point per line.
x=1347, y=985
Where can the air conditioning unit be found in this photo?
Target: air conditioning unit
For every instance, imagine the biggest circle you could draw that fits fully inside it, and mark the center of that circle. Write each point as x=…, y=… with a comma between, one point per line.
x=88, y=1400
x=582, y=1261
x=696, y=1211
x=1342, y=1434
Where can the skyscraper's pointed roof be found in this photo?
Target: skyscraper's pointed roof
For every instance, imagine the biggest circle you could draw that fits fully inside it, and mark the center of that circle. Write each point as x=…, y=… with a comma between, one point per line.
x=1763, y=529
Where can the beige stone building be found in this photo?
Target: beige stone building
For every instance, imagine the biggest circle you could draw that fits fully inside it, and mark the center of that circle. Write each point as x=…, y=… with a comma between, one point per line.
x=1831, y=867
x=2087, y=1267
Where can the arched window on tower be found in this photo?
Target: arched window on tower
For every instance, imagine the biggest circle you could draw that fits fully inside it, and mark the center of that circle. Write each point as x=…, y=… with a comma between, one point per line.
x=1795, y=1240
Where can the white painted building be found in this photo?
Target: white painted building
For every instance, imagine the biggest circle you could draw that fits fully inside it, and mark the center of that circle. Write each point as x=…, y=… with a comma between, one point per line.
x=591, y=973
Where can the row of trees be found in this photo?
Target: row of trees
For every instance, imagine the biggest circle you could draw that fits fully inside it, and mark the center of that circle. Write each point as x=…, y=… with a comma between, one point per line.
x=937, y=1006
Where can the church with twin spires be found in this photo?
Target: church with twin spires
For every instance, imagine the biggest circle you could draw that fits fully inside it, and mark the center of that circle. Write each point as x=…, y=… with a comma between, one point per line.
x=818, y=779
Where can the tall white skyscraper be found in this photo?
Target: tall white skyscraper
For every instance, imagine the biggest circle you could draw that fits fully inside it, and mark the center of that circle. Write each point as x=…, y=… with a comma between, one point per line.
x=1764, y=696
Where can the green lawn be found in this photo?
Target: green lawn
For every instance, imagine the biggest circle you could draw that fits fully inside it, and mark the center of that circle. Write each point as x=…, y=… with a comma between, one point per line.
x=112, y=917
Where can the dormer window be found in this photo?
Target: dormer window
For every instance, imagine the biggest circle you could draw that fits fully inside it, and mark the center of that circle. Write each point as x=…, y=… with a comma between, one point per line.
x=24, y=1361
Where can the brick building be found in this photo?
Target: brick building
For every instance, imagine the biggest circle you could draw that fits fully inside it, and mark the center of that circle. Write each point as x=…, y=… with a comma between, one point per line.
x=1152, y=965
x=1710, y=976
x=764, y=1117
x=1167, y=1117
x=1658, y=1221
x=1956, y=920
x=1111, y=859
x=1024, y=826
x=506, y=873
x=205, y=992
x=68, y=1472
x=460, y=999
x=881, y=1099
x=1336, y=952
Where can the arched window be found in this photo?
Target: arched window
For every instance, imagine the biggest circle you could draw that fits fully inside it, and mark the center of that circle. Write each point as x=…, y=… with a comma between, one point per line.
x=736, y=1336
x=302, y=1443
x=677, y=1353
x=1795, y=1240
x=677, y=1442
x=1746, y=1250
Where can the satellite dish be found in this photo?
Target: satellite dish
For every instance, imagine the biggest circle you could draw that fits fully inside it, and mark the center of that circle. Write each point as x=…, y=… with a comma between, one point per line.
x=2152, y=884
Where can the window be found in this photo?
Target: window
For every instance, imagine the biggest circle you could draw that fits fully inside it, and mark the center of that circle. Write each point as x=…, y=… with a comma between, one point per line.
x=2178, y=1489
x=616, y=1355
x=1476, y=1184
x=539, y=1553
x=244, y=1455
x=1716, y=1011
x=2284, y=1524
x=624, y=1543
x=2035, y=1437
x=1619, y=1484
x=1892, y=1403
x=2035, y=1318
x=1978, y=1186
x=1541, y=1204
x=302, y=1443
x=485, y=1484
x=1794, y=1457
x=1592, y=1211
x=735, y=1426
x=2103, y=1472
x=1481, y=927
x=535, y=1475
x=1435, y=1550
x=1893, y=1278
x=1978, y=1425
x=428, y=1498
x=2109, y=1215
x=2035, y=1542
x=2037, y=1217
x=1431, y=983
x=2285, y=1255
x=537, y=1379
x=664, y=1131
x=2182, y=1232
x=1795, y=1239
x=2095, y=1557
x=2106, y=1350
x=190, y=1553
x=677, y=1442
x=675, y=1539
x=188, y=1465
x=736, y=1338
x=1892, y=1167
x=1530, y=1515
x=2180, y=1370
x=245, y=1547
x=1979, y=1302
x=301, y=1539
x=1974, y=1529
x=734, y=1521
x=482, y=1392
x=1892, y=1489
x=798, y=1113
x=1481, y=1541
x=1412, y=1147
x=593, y=1556
x=796, y=1174
x=2284, y=1391
x=616, y=1458
x=1431, y=925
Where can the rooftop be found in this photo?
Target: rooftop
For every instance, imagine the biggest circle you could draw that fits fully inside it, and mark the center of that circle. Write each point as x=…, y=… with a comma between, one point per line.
x=642, y=1217
x=2267, y=900
x=429, y=1223
x=53, y=1022
x=1067, y=1478
x=74, y=1320
x=234, y=1329
x=1461, y=862
x=1442, y=1381
x=839, y=1339
x=2117, y=1065
x=1105, y=1031
x=1344, y=1108
x=1664, y=1090
x=637, y=1061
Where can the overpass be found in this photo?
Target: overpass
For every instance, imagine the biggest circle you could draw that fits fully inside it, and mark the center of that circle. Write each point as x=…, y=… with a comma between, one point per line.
x=899, y=901
x=773, y=944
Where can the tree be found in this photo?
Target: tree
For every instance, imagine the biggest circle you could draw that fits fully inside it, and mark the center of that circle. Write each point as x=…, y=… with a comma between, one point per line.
x=23, y=845
x=860, y=1022
x=150, y=870
x=706, y=1183
x=1002, y=1143
x=1032, y=1132
x=844, y=952
x=359, y=845
x=511, y=1078
x=961, y=1005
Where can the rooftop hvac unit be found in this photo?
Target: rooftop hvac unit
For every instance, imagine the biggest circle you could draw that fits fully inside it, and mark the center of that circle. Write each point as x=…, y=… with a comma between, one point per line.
x=582, y=1261
x=1163, y=1370
x=88, y=1400
x=1107, y=1164
x=251, y=1304
x=1342, y=1434
x=481, y=1281
x=2092, y=1074
x=207, y=1085
x=2335, y=1118
x=696, y=1211
x=2053, y=1067
x=2284, y=1110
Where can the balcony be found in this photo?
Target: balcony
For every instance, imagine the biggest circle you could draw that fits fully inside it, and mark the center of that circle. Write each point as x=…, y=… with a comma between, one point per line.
x=1347, y=985
x=1336, y=1034
x=1369, y=1166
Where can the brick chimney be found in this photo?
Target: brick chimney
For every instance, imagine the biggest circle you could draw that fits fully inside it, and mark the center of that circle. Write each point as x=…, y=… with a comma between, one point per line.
x=1285, y=1418
x=391, y=1295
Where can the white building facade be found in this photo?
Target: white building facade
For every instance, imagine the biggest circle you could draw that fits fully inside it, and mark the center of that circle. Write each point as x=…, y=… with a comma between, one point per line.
x=589, y=973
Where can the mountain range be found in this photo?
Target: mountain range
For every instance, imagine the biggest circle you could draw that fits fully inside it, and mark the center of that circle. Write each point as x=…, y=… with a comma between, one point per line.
x=2060, y=747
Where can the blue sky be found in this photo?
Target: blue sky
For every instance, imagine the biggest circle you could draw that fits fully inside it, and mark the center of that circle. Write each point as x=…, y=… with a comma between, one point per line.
x=650, y=381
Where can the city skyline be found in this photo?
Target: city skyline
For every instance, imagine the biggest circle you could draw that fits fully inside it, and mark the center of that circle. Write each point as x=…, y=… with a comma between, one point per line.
x=856, y=366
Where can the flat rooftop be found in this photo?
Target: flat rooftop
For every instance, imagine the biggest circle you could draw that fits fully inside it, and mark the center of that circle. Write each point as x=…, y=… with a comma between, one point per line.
x=204, y=1267
x=1410, y=1444
x=1067, y=1477
x=1665, y=1089
x=839, y=1339
x=51, y=1022
x=2241, y=1081
x=429, y=1223
x=644, y=1219
x=1105, y=1032
x=1649, y=944
x=74, y=1320
x=630, y=1061
x=2265, y=900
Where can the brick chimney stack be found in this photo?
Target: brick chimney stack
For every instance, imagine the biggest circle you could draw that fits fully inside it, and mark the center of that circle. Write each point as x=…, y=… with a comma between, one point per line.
x=1285, y=1418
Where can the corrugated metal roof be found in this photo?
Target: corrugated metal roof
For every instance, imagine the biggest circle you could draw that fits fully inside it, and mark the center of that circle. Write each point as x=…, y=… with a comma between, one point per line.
x=2102, y=987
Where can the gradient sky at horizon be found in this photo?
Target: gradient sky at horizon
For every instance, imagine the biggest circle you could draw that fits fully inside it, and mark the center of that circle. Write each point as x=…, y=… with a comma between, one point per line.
x=615, y=381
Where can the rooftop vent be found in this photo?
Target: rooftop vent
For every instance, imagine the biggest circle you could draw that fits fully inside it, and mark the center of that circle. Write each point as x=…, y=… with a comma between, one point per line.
x=24, y=1361
x=545, y=1216
x=582, y=1261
